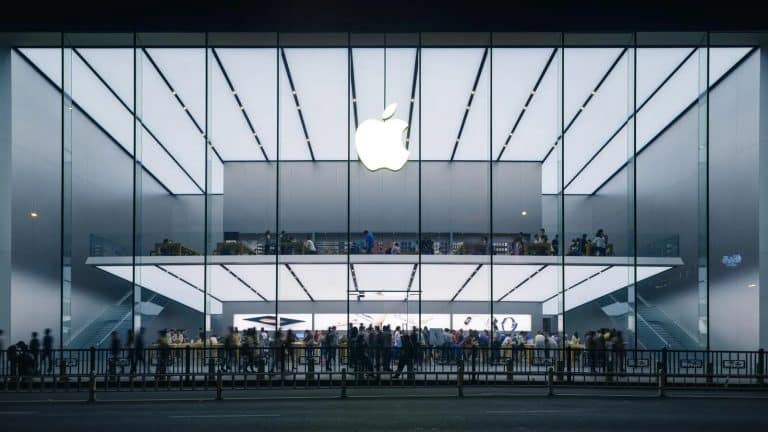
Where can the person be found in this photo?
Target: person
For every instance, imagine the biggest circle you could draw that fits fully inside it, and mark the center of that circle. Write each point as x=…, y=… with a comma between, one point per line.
x=2, y=340
x=309, y=246
x=617, y=345
x=599, y=339
x=268, y=243
x=114, y=352
x=395, y=248
x=484, y=342
x=290, y=339
x=12, y=357
x=543, y=236
x=517, y=246
x=573, y=248
x=556, y=244
x=138, y=351
x=47, y=351
x=229, y=349
x=397, y=342
x=278, y=352
x=575, y=339
x=163, y=353
x=264, y=342
x=583, y=244
x=369, y=241
x=600, y=243
x=540, y=344
x=330, y=347
x=34, y=348
x=387, y=348
x=406, y=356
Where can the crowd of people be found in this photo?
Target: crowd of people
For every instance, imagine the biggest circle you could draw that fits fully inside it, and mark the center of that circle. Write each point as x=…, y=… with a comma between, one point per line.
x=370, y=349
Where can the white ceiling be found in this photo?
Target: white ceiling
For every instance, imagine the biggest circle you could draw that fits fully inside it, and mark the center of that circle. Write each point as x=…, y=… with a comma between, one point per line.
x=438, y=282
x=596, y=145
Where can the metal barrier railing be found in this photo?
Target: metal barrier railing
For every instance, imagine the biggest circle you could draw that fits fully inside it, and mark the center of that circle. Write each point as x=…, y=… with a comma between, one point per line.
x=242, y=367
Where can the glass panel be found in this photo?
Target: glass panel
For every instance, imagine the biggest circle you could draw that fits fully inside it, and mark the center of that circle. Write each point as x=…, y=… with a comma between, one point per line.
x=170, y=203
x=98, y=176
x=384, y=289
x=242, y=180
x=527, y=238
x=671, y=191
x=598, y=298
x=734, y=119
x=37, y=267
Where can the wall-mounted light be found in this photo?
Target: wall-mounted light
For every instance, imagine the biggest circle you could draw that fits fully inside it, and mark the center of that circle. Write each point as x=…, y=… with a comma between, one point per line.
x=524, y=213
x=752, y=285
x=33, y=214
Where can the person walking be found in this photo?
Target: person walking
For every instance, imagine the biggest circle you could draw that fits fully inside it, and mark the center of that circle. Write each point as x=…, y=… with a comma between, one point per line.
x=34, y=348
x=47, y=351
x=138, y=352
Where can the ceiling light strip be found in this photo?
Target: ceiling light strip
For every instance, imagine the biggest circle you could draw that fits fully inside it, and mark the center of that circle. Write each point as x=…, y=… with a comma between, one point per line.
x=632, y=115
x=354, y=280
x=410, y=281
x=296, y=101
x=528, y=102
x=413, y=98
x=90, y=118
x=298, y=281
x=243, y=282
x=469, y=103
x=586, y=101
x=184, y=108
x=352, y=83
x=239, y=102
x=133, y=114
x=186, y=282
x=712, y=86
x=603, y=270
x=516, y=287
x=466, y=282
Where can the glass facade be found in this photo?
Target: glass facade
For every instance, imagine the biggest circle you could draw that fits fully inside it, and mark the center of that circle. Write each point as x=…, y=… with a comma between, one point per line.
x=555, y=183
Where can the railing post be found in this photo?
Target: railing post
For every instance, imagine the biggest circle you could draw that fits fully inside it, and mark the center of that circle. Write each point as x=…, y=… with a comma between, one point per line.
x=460, y=377
x=343, y=383
x=62, y=370
x=188, y=362
x=568, y=366
x=661, y=382
x=219, y=386
x=550, y=381
x=92, y=360
x=760, y=367
x=510, y=369
x=92, y=385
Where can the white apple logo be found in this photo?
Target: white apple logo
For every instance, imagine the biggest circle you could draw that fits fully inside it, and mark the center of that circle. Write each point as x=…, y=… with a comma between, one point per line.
x=379, y=143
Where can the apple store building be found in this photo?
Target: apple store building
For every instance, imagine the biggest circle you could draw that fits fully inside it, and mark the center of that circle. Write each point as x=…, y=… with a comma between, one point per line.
x=500, y=182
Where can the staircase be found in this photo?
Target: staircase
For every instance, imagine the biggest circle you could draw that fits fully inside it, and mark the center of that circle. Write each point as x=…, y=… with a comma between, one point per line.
x=116, y=317
x=652, y=329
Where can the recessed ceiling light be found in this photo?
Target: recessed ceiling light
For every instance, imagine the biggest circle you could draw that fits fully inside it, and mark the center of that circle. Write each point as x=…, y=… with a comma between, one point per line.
x=33, y=214
x=594, y=92
x=173, y=92
x=524, y=213
x=752, y=285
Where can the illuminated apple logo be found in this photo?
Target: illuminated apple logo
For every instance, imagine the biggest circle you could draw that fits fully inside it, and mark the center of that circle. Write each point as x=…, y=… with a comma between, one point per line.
x=380, y=143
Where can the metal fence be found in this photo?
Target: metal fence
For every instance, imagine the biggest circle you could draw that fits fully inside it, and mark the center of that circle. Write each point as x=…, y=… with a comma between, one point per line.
x=204, y=368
